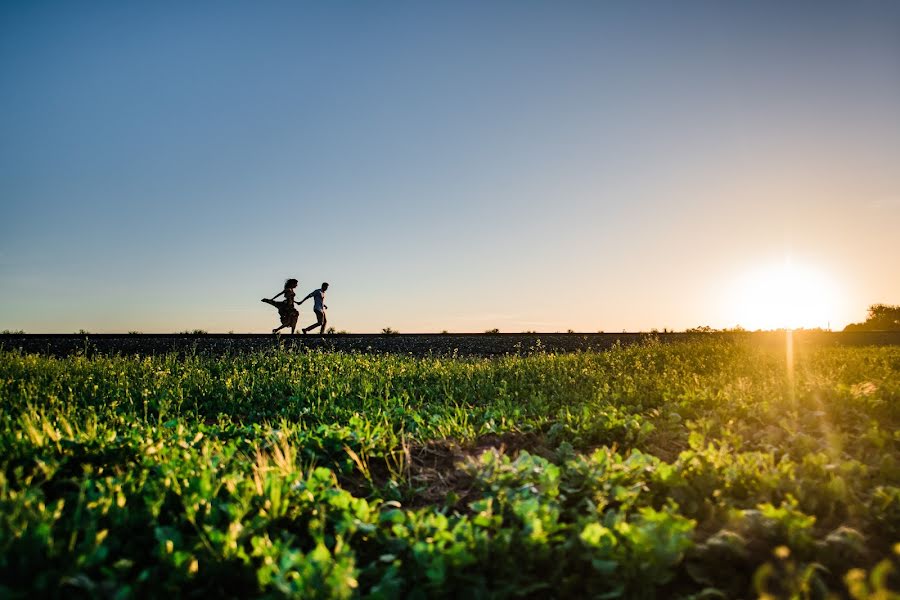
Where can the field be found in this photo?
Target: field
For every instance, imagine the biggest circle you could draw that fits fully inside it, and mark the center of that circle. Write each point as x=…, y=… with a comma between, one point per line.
x=706, y=468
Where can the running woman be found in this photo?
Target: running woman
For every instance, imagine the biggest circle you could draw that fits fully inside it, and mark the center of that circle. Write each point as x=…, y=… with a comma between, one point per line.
x=319, y=307
x=286, y=310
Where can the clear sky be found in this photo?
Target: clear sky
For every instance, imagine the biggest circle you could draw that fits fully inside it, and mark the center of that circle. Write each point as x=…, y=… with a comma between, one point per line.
x=445, y=165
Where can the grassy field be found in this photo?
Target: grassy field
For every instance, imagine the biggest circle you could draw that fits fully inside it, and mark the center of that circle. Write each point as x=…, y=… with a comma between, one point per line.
x=702, y=469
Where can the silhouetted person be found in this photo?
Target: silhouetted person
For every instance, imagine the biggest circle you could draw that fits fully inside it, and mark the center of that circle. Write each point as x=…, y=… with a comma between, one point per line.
x=286, y=310
x=319, y=307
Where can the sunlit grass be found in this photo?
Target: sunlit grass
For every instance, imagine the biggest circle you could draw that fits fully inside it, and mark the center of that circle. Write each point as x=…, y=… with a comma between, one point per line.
x=645, y=470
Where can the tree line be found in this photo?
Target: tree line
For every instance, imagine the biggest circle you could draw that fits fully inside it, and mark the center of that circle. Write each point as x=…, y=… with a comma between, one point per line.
x=881, y=317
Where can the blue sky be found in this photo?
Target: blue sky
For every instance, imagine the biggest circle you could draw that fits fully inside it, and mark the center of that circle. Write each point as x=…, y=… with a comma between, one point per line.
x=460, y=165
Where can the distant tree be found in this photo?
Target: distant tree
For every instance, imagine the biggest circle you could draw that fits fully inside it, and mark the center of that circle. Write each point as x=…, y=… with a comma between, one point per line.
x=881, y=317
x=388, y=331
x=492, y=331
x=701, y=329
x=735, y=329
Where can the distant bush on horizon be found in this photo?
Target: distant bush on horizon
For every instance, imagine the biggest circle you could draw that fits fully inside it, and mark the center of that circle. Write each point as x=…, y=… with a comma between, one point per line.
x=881, y=317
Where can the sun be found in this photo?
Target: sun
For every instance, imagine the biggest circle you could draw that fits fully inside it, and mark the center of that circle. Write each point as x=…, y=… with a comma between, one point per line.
x=787, y=295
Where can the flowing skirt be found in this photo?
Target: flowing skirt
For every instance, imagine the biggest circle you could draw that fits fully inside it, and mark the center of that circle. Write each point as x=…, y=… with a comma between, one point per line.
x=288, y=314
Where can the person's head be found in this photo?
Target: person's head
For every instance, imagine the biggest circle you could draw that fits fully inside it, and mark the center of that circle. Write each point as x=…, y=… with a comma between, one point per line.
x=290, y=284
x=324, y=285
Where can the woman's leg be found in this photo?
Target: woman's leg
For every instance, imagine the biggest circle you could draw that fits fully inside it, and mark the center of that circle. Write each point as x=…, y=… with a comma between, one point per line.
x=278, y=306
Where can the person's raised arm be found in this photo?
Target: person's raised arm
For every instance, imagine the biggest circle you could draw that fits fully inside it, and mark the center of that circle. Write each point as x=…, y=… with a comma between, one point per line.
x=276, y=295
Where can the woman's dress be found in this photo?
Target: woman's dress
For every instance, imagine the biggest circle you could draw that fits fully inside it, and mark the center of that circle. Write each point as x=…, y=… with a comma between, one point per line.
x=286, y=310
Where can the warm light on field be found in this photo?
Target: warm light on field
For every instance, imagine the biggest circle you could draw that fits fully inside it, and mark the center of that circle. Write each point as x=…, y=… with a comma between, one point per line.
x=784, y=296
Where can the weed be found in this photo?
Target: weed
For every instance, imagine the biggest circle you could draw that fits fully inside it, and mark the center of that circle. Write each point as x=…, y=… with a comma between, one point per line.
x=647, y=470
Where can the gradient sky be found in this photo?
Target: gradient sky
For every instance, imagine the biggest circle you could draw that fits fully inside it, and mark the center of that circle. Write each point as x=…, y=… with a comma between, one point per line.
x=459, y=165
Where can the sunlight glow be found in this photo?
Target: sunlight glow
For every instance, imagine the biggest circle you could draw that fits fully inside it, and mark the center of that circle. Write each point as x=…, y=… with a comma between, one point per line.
x=786, y=296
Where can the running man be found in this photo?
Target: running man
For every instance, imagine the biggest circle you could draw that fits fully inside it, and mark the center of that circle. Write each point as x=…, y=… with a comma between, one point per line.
x=319, y=307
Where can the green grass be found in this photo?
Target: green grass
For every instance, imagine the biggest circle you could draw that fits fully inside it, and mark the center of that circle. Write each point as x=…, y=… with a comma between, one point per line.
x=699, y=469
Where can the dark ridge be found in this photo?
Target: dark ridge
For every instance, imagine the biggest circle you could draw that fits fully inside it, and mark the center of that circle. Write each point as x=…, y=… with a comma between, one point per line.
x=417, y=344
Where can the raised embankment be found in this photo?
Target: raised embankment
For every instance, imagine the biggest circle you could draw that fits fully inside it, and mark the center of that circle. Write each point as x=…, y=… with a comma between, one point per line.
x=419, y=344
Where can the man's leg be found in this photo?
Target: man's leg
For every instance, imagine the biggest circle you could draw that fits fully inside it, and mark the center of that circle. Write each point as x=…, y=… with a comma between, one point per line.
x=324, y=320
x=320, y=317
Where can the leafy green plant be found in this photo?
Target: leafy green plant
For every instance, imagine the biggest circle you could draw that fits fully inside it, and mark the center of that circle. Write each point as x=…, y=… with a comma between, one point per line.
x=653, y=470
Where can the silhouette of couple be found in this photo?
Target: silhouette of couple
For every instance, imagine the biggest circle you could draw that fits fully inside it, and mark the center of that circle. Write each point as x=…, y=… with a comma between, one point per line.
x=289, y=314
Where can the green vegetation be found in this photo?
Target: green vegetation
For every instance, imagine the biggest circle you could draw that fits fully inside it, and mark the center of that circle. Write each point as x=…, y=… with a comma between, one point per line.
x=881, y=317
x=700, y=469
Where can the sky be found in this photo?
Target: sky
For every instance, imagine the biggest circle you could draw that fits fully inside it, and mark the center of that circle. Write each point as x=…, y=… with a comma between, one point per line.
x=459, y=166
